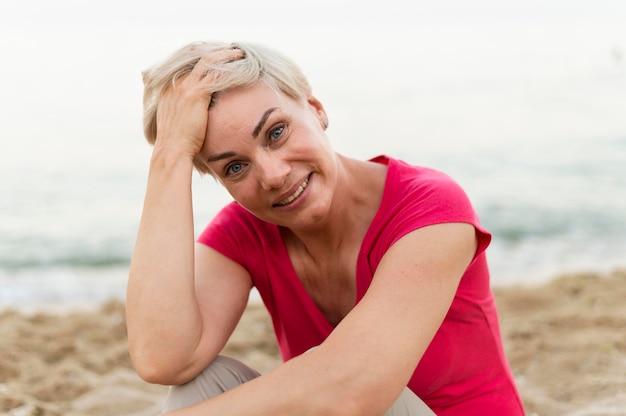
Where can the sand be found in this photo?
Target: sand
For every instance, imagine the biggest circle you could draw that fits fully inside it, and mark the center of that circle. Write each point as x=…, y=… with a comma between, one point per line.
x=566, y=342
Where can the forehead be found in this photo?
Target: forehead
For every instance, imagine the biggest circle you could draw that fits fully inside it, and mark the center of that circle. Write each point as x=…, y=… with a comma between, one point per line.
x=238, y=112
x=247, y=103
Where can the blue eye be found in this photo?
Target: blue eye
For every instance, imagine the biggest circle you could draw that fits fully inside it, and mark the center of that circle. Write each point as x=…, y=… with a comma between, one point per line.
x=276, y=133
x=234, y=168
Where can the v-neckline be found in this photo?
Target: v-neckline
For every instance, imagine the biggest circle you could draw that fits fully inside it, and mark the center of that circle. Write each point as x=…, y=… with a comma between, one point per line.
x=295, y=282
x=295, y=279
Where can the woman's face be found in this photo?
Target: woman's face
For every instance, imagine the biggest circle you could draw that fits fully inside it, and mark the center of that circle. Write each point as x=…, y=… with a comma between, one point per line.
x=272, y=155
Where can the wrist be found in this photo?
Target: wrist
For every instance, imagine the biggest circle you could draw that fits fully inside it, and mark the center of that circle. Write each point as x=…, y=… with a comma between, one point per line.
x=170, y=157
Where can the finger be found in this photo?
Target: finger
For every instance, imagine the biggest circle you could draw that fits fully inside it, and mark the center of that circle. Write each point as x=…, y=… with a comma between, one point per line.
x=215, y=59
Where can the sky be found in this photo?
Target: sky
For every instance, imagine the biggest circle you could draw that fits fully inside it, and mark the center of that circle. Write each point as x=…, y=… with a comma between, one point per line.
x=72, y=67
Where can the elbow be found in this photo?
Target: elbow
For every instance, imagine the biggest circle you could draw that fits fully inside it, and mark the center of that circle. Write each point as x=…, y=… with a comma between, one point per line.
x=154, y=375
x=159, y=370
x=153, y=372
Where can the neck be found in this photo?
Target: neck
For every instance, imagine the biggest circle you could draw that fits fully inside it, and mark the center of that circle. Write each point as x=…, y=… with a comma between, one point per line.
x=359, y=184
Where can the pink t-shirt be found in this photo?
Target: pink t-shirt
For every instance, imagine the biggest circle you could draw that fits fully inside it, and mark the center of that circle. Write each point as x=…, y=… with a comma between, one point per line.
x=464, y=370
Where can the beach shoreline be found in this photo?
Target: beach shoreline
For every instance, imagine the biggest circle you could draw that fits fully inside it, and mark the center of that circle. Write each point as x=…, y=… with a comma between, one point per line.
x=564, y=340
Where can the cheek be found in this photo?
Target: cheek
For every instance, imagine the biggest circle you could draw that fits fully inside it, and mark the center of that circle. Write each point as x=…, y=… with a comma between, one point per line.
x=320, y=145
x=243, y=193
x=233, y=191
x=312, y=139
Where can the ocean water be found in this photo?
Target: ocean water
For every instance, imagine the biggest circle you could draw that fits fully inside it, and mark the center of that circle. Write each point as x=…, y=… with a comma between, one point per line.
x=529, y=116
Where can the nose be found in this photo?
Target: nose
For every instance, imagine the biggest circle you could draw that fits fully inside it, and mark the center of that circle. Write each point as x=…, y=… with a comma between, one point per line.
x=272, y=170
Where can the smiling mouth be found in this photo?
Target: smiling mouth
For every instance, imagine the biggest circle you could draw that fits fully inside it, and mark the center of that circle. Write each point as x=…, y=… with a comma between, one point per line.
x=295, y=195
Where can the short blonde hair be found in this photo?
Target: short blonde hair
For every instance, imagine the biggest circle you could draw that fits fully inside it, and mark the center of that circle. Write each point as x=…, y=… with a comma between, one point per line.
x=260, y=64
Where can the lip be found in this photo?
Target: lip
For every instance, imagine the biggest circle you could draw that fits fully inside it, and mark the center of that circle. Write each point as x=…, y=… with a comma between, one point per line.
x=293, y=194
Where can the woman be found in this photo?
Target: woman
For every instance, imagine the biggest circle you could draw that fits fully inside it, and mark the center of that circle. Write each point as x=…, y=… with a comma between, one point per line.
x=374, y=272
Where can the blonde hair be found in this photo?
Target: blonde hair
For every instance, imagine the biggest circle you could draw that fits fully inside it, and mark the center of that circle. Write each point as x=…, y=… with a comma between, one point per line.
x=260, y=64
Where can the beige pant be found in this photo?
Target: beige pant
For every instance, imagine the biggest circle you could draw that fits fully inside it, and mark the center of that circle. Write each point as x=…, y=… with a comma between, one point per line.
x=225, y=373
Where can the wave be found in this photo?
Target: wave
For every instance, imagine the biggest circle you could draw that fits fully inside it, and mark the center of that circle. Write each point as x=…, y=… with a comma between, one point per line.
x=54, y=256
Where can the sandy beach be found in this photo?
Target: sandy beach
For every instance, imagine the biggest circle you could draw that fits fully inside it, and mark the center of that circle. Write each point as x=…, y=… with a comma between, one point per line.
x=566, y=342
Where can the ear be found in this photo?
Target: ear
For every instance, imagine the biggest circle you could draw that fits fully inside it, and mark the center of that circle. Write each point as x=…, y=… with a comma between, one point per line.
x=318, y=108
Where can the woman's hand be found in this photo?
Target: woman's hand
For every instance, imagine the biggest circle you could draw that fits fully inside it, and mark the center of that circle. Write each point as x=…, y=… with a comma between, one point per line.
x=182, y=113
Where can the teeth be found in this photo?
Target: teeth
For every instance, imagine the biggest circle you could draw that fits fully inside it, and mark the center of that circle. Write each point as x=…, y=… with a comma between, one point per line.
x=296, y=194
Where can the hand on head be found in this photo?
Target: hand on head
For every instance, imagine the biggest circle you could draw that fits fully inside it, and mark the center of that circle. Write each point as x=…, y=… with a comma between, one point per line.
x=182, y=111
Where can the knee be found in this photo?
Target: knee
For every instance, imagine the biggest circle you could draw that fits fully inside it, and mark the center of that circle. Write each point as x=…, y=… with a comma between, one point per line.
x=227, y=373
x=223, y=374
x=408, y=404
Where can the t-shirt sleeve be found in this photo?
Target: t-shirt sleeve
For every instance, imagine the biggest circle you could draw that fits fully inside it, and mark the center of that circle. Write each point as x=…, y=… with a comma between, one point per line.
x=227, y=233
x=424, y=197
x=245, y=239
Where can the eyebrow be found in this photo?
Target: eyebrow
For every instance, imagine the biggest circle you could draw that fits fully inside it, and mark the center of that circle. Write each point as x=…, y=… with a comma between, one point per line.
x=255, y=133
x=262, y=121
x=220, y=156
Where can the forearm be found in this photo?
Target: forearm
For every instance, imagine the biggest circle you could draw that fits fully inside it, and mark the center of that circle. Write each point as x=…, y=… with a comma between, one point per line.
x=330, y=380
x=302, y=386
x=163, y=318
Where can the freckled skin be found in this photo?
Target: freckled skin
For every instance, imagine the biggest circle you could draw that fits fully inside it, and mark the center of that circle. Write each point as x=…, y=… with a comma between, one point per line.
x=291, y=145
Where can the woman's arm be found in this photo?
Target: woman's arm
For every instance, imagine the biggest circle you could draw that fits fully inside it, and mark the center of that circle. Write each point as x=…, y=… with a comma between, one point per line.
x=369, y=358
x=170, y=335
x=163, y=317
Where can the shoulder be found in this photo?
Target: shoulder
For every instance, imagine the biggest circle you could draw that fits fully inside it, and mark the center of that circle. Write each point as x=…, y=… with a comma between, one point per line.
x=412, y=186
x=232, y=216
x=237, y=233
x=402, y=172
x=416, y=197
x=236, y=218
